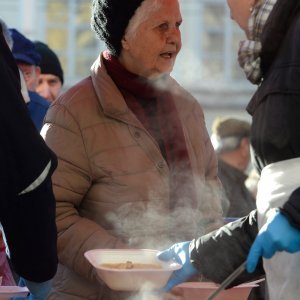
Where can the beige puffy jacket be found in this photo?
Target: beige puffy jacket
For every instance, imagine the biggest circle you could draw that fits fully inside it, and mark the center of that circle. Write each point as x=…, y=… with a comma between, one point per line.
x=112, y=182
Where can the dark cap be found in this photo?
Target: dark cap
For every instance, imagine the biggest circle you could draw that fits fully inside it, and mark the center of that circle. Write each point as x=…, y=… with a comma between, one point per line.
x=110, y=19
x=50, y=63
x=23, y=49
x=227, y=133
x=225, y=126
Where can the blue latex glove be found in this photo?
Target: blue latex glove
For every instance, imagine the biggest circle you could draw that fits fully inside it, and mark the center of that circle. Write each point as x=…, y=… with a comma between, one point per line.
x=38, y=290
x=276, y=235
x=179, y=253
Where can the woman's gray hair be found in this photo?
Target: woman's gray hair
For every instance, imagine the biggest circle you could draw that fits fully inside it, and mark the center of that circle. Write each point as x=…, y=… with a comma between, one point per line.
x=6, y=34
x=141, y=15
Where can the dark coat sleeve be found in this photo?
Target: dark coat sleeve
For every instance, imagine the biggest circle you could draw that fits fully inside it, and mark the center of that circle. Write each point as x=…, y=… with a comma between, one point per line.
x=29, y=226
x=291, y=209
x=25, y=142
x=28, y=220
x=217, y=254
x=275, y=106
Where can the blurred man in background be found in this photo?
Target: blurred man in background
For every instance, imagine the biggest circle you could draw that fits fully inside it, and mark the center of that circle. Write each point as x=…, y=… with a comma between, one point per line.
x=230, y=138
x=51, y=78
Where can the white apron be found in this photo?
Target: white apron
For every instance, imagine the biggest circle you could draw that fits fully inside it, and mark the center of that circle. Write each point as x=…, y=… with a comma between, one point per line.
x=277, y=182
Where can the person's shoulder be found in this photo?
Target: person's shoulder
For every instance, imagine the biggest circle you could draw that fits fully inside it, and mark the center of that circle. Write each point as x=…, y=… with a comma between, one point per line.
x=75, y=104
x=36, y=99
x=225, y=167
x=76, y=93
x=180, y=93
x=185, y=102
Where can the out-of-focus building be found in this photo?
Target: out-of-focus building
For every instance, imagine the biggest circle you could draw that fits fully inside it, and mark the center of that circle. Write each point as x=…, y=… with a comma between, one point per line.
x=207, y=65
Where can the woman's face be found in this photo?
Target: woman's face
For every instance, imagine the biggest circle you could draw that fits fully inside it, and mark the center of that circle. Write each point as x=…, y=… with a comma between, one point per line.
x=240, y=11
x=152, y=39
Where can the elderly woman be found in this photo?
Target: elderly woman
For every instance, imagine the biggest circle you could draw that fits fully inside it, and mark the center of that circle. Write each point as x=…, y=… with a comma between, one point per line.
x=270, y=58
x=134, y=153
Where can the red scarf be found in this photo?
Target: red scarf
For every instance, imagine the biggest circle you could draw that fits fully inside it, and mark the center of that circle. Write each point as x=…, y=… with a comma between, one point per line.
x=156, y=110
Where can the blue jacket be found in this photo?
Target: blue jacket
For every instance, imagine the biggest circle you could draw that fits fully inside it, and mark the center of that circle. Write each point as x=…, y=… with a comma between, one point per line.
x=37, y=107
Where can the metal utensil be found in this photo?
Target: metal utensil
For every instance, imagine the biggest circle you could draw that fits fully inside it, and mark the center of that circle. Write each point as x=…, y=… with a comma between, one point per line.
x=228, y=280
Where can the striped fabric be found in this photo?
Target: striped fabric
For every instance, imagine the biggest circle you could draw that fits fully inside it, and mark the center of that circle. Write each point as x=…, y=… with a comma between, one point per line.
x=249, y=51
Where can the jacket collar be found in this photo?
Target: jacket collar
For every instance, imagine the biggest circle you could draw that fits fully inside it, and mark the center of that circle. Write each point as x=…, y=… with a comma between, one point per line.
x=109, y=96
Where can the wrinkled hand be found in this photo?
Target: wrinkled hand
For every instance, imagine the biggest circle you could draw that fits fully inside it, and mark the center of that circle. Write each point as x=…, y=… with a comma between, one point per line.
x=38, y=290
x=276, y=235
x=179, y=253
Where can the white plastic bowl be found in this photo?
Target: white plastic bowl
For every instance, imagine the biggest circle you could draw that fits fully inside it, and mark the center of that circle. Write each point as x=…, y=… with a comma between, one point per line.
x=131, y=279
x=202, y=290
x=9, y=292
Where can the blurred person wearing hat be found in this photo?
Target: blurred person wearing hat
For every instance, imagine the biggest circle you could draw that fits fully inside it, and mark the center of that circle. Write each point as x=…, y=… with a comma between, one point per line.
x=135, y=157
x=28, y=61
x=230, y=138
x=27, y=204
x=51, y=78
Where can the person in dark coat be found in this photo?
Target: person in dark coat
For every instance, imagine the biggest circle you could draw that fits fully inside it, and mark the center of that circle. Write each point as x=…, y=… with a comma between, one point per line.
x=231, y=140
x=270, y=58
x=27, y=204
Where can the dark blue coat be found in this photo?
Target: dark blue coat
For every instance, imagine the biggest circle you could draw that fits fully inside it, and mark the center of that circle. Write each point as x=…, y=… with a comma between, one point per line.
x=38, y=107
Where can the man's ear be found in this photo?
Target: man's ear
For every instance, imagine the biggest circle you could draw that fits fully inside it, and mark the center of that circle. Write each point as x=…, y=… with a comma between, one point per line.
x=245, y=146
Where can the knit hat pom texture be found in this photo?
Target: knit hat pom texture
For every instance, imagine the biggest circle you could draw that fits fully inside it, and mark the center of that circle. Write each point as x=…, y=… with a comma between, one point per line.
x=110, y=19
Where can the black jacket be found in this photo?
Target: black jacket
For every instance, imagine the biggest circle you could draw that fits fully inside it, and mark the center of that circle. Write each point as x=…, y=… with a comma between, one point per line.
x=219, y=253
x=28, y=220
x=275, y=108
x=241, y=202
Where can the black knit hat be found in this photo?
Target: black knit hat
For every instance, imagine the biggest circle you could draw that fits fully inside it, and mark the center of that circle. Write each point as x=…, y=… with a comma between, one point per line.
x=49, y=63
x=110, y=19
